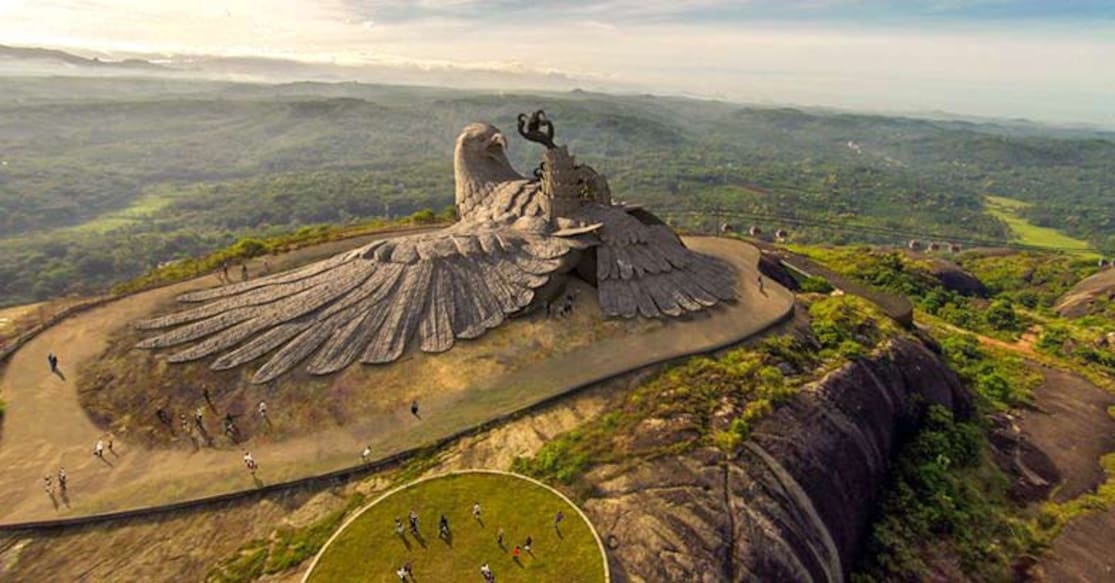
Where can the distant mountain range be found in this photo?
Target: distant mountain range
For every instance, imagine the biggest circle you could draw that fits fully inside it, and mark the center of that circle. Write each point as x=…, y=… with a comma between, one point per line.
x=32, y=61
x=32, y=56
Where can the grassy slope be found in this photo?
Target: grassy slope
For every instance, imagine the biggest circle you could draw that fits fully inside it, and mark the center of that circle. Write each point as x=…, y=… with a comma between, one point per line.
x=369, y=550
x=1031, y=234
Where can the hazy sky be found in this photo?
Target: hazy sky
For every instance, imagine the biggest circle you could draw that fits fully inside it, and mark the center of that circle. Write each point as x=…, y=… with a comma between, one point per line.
x=1043, y=59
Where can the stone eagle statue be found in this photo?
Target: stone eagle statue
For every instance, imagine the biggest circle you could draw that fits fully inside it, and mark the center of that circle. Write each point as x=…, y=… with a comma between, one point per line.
x=516, y=243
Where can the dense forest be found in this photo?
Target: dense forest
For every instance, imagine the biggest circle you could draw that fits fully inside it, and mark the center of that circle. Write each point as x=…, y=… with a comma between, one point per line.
x=102, y=180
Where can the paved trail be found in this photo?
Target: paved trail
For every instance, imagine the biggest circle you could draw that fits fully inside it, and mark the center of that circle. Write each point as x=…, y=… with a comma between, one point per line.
x=46, y=428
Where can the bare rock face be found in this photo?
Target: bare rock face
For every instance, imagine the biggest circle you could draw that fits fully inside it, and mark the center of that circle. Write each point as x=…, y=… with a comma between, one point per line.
x=1081, y=299
x=955, y=278
x=771, y=267
x=795, y=503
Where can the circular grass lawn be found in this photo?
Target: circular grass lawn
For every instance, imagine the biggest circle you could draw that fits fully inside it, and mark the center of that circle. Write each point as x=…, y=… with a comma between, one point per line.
x=366, y=548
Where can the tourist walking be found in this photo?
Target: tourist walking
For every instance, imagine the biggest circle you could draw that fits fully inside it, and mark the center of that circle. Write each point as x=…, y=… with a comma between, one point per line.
x=413, y=519
x=261, y=408
x=414, y=407
x=244, y=272
x=399, y=527
x=366, y=454
x=443, y=527
x=761, y=283
x=526, y=544
x=250, y=462
x=99, y=449
x=560, y=516
x=499, y=538
x=62, y=479
x=48, y=486
x=476, y=510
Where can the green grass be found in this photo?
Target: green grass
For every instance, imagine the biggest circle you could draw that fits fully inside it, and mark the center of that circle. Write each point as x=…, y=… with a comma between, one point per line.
x=368, y=549
x=1006, y=210
x=140, y=209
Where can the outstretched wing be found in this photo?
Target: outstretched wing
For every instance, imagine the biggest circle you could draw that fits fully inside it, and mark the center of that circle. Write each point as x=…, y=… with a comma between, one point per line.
x=368, y=303
x=642, y=267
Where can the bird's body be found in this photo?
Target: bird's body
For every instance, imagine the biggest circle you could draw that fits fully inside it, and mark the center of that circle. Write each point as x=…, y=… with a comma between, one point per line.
x=433, y=288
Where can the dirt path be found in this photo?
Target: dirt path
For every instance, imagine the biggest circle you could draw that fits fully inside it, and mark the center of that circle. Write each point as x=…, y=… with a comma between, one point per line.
x=46, y=428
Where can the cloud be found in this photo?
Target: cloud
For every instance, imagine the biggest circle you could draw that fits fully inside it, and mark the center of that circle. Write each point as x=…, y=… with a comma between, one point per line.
x=939, y=54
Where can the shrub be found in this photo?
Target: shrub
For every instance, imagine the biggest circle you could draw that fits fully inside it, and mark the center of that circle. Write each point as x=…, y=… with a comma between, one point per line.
x=423, y=217
x=815, y=285
x=1053, y=337
x=1000, y=316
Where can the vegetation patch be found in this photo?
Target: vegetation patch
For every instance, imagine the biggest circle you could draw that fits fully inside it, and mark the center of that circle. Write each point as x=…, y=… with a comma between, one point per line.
x=1030, y=279
x=1008, y=209
x=715, y=400
x=285, y=549
x=1054, y=516
x=1000, y=380
x=945, y=501
x=897, y=272
x=947, y=512
x=368, y=549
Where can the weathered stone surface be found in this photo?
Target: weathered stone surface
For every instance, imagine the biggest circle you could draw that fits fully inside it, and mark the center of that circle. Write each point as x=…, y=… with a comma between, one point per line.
x=1088, y=296
x=795, y=503
x=370, y=303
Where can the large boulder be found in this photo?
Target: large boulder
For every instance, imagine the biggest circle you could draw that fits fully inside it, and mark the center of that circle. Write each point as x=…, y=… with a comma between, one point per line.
x=795, y=502
x=1082, y=299
x=955, y=278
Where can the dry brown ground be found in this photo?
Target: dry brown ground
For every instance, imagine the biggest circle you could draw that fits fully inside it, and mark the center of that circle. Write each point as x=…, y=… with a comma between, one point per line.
x=185, y=545
x=123, y=388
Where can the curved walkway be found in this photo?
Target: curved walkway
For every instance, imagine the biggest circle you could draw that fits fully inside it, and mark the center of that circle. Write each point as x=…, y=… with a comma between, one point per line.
x=45, y=426
x=563, y=497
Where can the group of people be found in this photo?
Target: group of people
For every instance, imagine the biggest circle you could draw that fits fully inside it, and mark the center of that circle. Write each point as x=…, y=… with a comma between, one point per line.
x=406, y=573
x=224, y=271
x=48, y=483
x=198, y=427
x=226, y=264
x=104, y=442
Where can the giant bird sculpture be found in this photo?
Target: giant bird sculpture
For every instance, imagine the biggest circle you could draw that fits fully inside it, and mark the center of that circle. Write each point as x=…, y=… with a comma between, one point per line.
x=515, y=244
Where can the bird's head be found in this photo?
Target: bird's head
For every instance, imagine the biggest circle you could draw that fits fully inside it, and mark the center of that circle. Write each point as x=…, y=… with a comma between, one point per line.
x=480, y=162
x=481, y=142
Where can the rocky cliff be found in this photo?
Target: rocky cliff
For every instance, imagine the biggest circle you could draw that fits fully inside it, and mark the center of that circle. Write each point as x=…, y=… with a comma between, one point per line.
x=1087, y=296
x=795, y=502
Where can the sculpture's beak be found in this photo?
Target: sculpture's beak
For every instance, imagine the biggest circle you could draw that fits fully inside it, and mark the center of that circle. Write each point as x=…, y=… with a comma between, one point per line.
x=498, y=140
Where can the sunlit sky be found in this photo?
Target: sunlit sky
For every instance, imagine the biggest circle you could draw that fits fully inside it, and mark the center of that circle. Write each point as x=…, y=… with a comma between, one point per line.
x=1051, y=60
